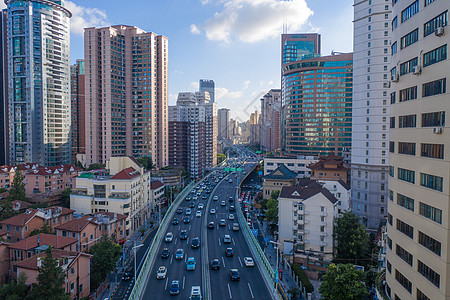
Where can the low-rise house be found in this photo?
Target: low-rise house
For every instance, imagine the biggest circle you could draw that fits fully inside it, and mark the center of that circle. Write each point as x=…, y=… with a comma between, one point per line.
x=75, y=266
x=277, y=179
x=4, y=261
x=20, y=226
x=330, y=167
x=20, y=206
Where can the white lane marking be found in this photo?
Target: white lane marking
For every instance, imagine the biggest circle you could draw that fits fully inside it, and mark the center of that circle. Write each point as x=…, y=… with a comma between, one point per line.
x=176, y=240
x=167, y=281
x=229, y=290
x=229, y=226
x=233, y=242
x=217, y=226
x=240, y=261
x=250, y=288
x=184, y=277
x=171, y=259
x=189, y=227
x=223, y=262
x=220, y=243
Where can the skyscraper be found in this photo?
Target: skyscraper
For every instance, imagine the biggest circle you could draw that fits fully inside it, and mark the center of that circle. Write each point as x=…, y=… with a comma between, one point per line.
x=295, y=47
x=417, y=254
x=207, y=85
x=126, y=94
x=270, y=122
x=254, y=128
x=39, y=80
x=77, y=95
x=370, y=110
x=4, y=115
x=223, y=120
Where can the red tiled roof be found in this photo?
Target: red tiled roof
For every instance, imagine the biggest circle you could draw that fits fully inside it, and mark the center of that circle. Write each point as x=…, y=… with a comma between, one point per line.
x=156, y=184
x=2, y=233
x=64, y=210
x=21, y=219
x=31, y=263
x=110, y=215
x=76, y=225
x=128, y=173
x=58, y=242
x=20, y=204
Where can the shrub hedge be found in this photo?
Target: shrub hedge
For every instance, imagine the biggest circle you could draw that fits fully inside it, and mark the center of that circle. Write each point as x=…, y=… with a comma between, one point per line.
x=303, y=278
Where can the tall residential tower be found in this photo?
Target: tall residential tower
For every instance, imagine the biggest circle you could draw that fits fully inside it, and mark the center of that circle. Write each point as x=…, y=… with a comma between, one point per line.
x=208, y=85
x=77, y=90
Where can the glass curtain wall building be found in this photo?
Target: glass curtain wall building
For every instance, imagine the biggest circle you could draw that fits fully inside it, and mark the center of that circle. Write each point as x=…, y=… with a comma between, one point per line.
x=39, y=81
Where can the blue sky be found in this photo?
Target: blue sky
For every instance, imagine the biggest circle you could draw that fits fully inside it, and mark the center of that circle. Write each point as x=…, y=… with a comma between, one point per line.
x=234, y=42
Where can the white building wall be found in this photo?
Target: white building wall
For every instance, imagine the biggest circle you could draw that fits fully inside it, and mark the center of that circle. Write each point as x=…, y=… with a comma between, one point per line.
x=297, y=165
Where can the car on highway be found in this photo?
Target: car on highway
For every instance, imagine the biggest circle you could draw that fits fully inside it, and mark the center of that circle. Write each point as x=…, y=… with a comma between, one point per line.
x=227, y=239
x=230, y=180
x=165, y=253
x=188, y=198
x=128, y=274
x=179, y=254
x=188, y=211
x=211, y=225
x=192, y=205
x=175, y=221
x=195, y=243
x=169, y=237
x=193, y=191
x=195, y=198
x=235, y=227
x=215, y=198
x=232, y=208
x=201, y=206
x=190, y=264
x=229, y=252
x=174, y=288
x=198, y=214
x=204, y=197
x=161, y=273
x=196, y=294
x=199, y=193
x=212, y=211
x=215, y=264
x=179, y=211
x=230, y=217
x=183, y=235
x=230, y=199
x=187, y=220
x=223, y=203
x=248, y=261
x=222, y=222
x=234, y=275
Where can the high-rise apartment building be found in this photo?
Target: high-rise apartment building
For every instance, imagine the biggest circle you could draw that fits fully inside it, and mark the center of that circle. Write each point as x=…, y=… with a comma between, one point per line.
x=4, y=115
x=317, y=100
x=126, y=80
x=254, y=128
x=208, y=85
x=223, y=116
x=77, y=95
x=370, y=132
x=270, y=121
x=417, y=254
x=193, y=133
x=38, y=59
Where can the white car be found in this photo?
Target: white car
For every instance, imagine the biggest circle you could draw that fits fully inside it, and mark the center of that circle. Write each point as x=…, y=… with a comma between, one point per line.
x=248, y=261
x=169, y=237
x=161, y=273
x=195, y=198
x=215, y=198
x=188, y=211
x=198, y=213
x=230, y=217
x=200, y=206
x=227, y=239
x=223, y=203
x=212, y=211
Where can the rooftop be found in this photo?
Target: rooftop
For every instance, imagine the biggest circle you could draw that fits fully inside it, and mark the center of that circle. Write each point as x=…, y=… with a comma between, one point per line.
x=22, y=219
x=305, y=190
x=281, y=173
x=58, y=242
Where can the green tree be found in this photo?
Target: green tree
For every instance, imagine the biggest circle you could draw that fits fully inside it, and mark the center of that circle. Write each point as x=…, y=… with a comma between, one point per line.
x=17, y=191
x=275, y=195
x=105, y=256
x=352, y=240
x=272, y=211
x=146, y=161
x=16, y=289
x=50, y=280
x=343, y=282
x=96, y=166
x=2, y=190
x=294, y=292
x=6, y=210
x=220, y=157
x=65, y=198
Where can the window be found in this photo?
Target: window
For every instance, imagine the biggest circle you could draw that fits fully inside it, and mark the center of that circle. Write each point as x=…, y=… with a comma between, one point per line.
x=392, y=122
x=420, y=295
x=408, y=121
x=432, y=151
x=435, y=56
x=430, y=243
x=394, y=48
x=407, y=148
x=72, y=270
x=403, y=254
x=430, y=212
x=406, y=175
x=403, y=281
x=431, y=181
x=427, y=2
x=391, y=194
x=428, y=273
x=388, y=266
x=439, y=21
x=408, y=66
x=390, y=219
x=405, y=228
x=405, y=201
x=408, y=94
x=389, y=242
x=409, y=38
x=434, y=87
x=394, y=23
x=410, y=11
x=433, y=119
x=392, y=147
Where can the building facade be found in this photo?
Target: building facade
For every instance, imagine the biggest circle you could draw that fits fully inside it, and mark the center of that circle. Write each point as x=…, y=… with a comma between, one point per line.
x=39, y=75
x=271, y=121
x=4, y=99
x=417, y=256
x=126, y=80
x=254, y=129
x=370, y=126
x=208, y=85
x=298, y=165
x=223, y=118
x=77, y=95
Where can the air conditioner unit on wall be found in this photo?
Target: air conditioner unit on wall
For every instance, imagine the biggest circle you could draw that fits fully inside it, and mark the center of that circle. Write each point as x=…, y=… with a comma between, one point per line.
x=395, y=77
x=439, y=31
x=417, y=70
x=437, y=130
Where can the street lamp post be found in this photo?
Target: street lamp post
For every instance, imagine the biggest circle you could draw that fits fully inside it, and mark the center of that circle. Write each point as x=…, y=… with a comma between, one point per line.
x=276, y=266
x=134, y=251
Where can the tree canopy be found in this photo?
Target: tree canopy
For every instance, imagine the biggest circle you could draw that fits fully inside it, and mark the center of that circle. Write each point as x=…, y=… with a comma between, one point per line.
x=343, y=282
x=17, y=191
x=105, y=256
x=65, y=198
x=16, y=289
x=146, y=161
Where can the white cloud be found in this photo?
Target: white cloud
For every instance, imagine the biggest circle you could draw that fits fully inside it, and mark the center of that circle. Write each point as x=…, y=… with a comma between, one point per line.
x=252, y=21
x=195, y=29
x=246, y=84
x=84, y=17
x=204, y=2
x=195, y=85
x=225, y=93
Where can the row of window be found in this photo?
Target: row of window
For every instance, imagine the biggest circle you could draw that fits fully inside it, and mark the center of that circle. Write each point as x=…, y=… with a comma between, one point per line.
x=426, y=180
x=435, y=119
x=426, y=150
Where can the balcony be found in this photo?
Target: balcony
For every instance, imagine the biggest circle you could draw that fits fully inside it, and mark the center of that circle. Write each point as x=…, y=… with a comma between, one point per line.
x=323, y=214
x=322, y=243
x=119, y=195
x=323, y=234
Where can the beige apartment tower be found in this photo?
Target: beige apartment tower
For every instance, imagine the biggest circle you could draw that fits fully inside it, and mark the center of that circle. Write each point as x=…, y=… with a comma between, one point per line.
x=418, y=254
x=126, y=94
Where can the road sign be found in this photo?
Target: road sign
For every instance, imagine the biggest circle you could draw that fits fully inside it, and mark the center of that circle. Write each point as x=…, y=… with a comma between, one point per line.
x=233, y=169
x=239, y=169
x=276, y=275
x=266, y=240
x=254, y=232
x=227, y=169
x=359, y=267
x=260, y=173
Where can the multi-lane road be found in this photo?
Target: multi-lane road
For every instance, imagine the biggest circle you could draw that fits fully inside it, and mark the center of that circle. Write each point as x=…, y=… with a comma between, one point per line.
x=251, y=284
